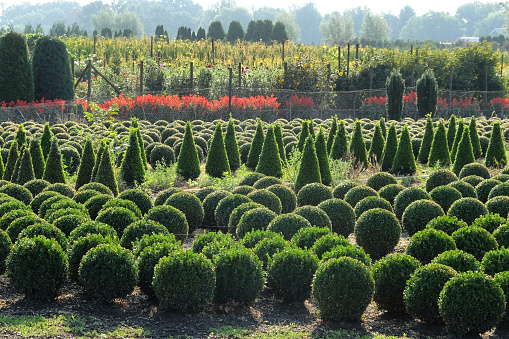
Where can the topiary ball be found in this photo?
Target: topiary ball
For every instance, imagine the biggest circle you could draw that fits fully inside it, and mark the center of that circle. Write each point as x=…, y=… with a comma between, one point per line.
x=418, y=214
x=406, y=197
x=457, y=259
x=313, y=194
x=37, y=267
x=498, y=205
x=474, y=168
x=171, y=218
x=116, y=202
x=474, y=240
x=164, y=195
x=140, y=198
x=423, y=289
x=327, y=242
x=464, y=311
x=93, y=227
x=342, y=189
x=473, y=180
x=266, y=181
x=95, y=204
x=440, y=177
x=495, y=261
x=251, y=178
x=390, y=274
x=445, y=196
x=484, y=188
x=447, y=224
x=36, y=186
x=315, y=215
x=288, y=225
x=267, y=199
x=427, y=244
x=341, y=215
x=244, y=190
x=150, y=239
x=502, y=279
x=351, y=300
x=18, y=192
x=107, y=272
x=61, y=188
x=358, y=193
x=204, y=239
x=372, y=202
x=161, y=154
x=96, y=186
x=490, y=222
x=464, y=188
x=209, y=206
x=377, y=231
x=190, y=205
x=254, y=219
x=9, y=217
x=467, y=209
x=237, y=214
x=390, y=192
x=5, y=249
x=305, y=238
x=348, y=251
x=117, y=217
x=499, y=190
x=227, y=205
x=137, y=229
x=82, y=196
x=47, y=230
x=381, y=179
x=501, y=235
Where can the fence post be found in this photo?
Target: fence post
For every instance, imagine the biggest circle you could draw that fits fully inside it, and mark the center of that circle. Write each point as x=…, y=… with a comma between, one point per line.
x=370, y=81
x=356, y=51
x=72, y=69
x=240, y=75
x=285, y=70
x=328, y=73
x=213, y=58
x=191, y=76
x=501, y=64
x=348, y=61
x=95, y=41
x=339, y=58
x=412, y=68
x=104, y=61
x=283, y=51
x=450, y=91
x=141, y=78
x=230, y=70
x=485, y=87
x=89, y=90
x=151, y=46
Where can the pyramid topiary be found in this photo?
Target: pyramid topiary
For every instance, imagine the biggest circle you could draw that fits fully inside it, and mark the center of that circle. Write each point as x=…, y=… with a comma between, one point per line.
x=86, y=166
x=309, y=170
x=21, y=136
x=457, y=139
x=217, y=159
x=404, y=161
x=340, y=142
x=439, y=153
x=383, y=127
x=188, y=163
x=426, y=142
x=280, y=144
x=323, y=159
x=102, y=146
x=106, y=173
x=46, y=140
x=54, y=171
x=256, y=147
x=311, y=126
x=132, y=170
x=304, y=133
x=496, y=154
x=17, y=166
x=465, y=154
x=134, y=124
x=451, y=131
x=231, y=146
x=26, y=171
x=11, y=162
x=376, y=150
x=391, y=146
x=358, y=146
x=474, y=138
x=37, y=158
x=332, y=133
x=270, y=162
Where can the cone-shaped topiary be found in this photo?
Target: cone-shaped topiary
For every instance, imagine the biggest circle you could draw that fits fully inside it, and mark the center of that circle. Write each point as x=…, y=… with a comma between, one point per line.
x=102, y=146
x=132, y=170
x=26, y=171
x=332, y=133
x=376, y=150
x=106, y=173
x=451, y=131
x=270, y=163
x=134, y=124
x=427, y=94
x=256, y=147
x=358, y=146
x=86, y=166
x=311, y=126
x=496, y=154
x=11, y=162
x=38, y=162
x=280, y=144
x=304, y=133
x=340, y=142
x=404, y=161
x=391, y=146
x=21, y=136
x=439, y=153
x=426, y=142
x=231, y=146
x=457, y=139
x=323, y=159
x=217, y=160
x=16, y=77
x=395, y=85
x=383, y=127
x=474, y=138
x=465, y=154
x=54, y=171
x=309, y=170
x=46, y=140
x=15, y=172
x=188, y=163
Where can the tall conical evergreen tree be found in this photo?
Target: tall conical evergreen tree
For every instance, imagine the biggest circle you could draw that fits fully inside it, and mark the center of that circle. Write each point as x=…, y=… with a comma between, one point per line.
x=135, y=124
x=383, y=127
x=86, y=166
x=427, y=140
x=106, y=172
x=188, y=163
x=358, y=147
x=451, y=132
x=457, y=138
x=496, y=155
x=340, y=143
x=404, y=160
x=26, y=171
x=132, y=170
x=391, y=146
x=304, y=133
x=280, y=144
x=47, y=135
x=332, y=133
x=256, y=147
x=38, y=162
x=232, y=148
x=323, y=158
x=311, y=126
x=474, y=138
x=17, y=166
x=11, y=161
x=217, y=159
x=21, y=136
x=465, y=153
x=102, y=147
x=309, y=170
x=376, y=150
x=270, y=162
x=439, y=153
x=54, y=171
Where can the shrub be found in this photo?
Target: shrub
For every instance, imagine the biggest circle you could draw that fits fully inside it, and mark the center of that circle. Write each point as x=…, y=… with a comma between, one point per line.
x=495, y=261
x=395, y=85
x=95, y=204
x=465, y=153
x=418, y=214
x=71, y=159
x=132, y=169
x=341, y=216
x=447, y=224
x=254, y=219
x=473, y=180
x=266, y=181
x=370, y=203
x=86, y=166
x=306, y=237
x=498, y=205
x=18, y=192
x=440, y=177
x=391, y=146
x=313, y=194
x=348, y=302
x=21, y=223
x=467, y=209
x=377, y=231
x=106, y=173
x=251, y=179
x=357, y=146
x=380, y=180
x=9, y=217
x=67, y=223
x=26, y=170
x=323, y=158
x=237, y=214
x=54, y=170
x=501, y=235
x=288, y=224
x=445, y=196
x=150, y=239
x=327, y=242
x=502, y=279
x=164, y=195
x=162, y=154
x=11, y=162
x=474, y=240
x=427, y=140
x=427, y=244
x=15, y=70
x=474, y=168
x=92, y=227
x=490, y=222
x=5, y=249
x=406, y=197
x=244, y=190
x=204, y=239
x=37, y=267
x=217, y=159
x=188, y=163
x=457, y=259
x=140, y=198
x=286, y=196
x=36, y=186
x=496, y=153
x=117, y=202
x=315, y=215
x=348, y=251
x=423, y=289
x=171, y=218
x=499, y=190
x=404, y=159
x=375, y=153
x=267, y=199
x=137, y=229
x=342, y=189
x=357, y=193
x=184, y=281
x=47, y=230
x=269, y=162
x=340, y=143
x=390, y=192
x=11, y=205
x=226, y=206
x=231, y=146
x=190, y=205
x=462, y=309
x=107, y=272
x=464, y=188
x=390, y=274
x=251, y=239
x=309, y=170
x=61, y=188
x=439, y=152
x=147, y=261
x=96, y=186
x=209, y=206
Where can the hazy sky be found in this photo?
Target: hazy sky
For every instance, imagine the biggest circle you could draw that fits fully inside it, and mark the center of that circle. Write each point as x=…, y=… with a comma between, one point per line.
x=327, y=6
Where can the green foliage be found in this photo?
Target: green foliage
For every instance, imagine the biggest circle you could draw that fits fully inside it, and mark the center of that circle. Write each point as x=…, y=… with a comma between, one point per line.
x=46, y=137
x=5, y=249
x=226, y=206
x=288, y=225
x=315, y=215
x=341, y=215
x=348, y=302
x=106, y=172
x=342, y=189
x=451, y=131
x=379, y=180
x=107, y=272
x=16, y=77
x=38, y=162
x=95, y=203
x=439, y=153
x=209, y=206
x=237, y=214
x=231, y=146
x=92, y=227
x=269, y=162
x=427, y=141
x=501, y=235
x=357, y=193
x=188, y=164
x=286, y=196
x=474, y=168
x=395, y=85
x=217, y=160
x=323, y=158
x=445, y=196
x=54, y=170
x=457, y=138
x=465, y=154
x=390, y=274
x=464, y=310
x=333, y=130
x=171, y=218
x=139, y=197
x=162, y=154
x=495, y=261
x=490, y=222
x=427, y=94
x=18, y=192
x=37, y=267
x=254, y=219
x=100, y=152
x=390, y=149
x=429, y=243
x=117, y=202
x=61, y=188
x=496, y=154
x=467, y=209
x=150, y=239
x=136, y=230
x=309, y=170
x=306, y=237
x=406, y=197
x=267, y=199
x=358, y=147
x=369, y=203
x=313, y=194
x=404, y=160
x=418, y=214
x=132, y=170
x=26, y=172
x=67, y=223
x=47, y=230
x=340, y=143
x=457, y=259
x=390, y=192
x=474, y=138
x=96, y=186
x=304, y=134
x=256, y=147
x=216, y=31
x=11, y=162
x=190, y=205
x=52, y=70
x=117, y=217
x=474, y=240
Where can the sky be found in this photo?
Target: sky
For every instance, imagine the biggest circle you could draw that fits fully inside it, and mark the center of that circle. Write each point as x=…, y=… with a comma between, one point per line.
x=327, y=6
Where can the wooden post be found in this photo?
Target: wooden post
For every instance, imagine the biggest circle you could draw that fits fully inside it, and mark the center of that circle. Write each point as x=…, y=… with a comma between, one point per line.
x=283, y=51
x=348, y=61
x=230, y=70
x=72, y=69
x=485, y=87
x=213, y=51
x=141, y=77
x=356, y=51
x=89, y=90
x=450, y=91
x=328, y=73
x=104, y=60
x=240, y=75
x=339, y=58
x=285, y=71
x=191, y=79
x=502, y=64
x=95, y=42
x=151, y=46
x=370, y=81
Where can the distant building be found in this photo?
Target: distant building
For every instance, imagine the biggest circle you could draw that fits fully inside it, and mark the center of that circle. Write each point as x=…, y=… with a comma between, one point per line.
x=496, y=32
x=471, y=39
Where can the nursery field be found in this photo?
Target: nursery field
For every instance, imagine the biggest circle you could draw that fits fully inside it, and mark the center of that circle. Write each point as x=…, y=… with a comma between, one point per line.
x=322, y=228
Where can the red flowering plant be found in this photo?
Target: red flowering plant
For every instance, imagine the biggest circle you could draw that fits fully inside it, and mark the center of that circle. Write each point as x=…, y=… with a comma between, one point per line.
x=466, y=107
x=373, y=108
x=442, y=108
x=499, y=106
x=299, y=107
x=409, y=106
